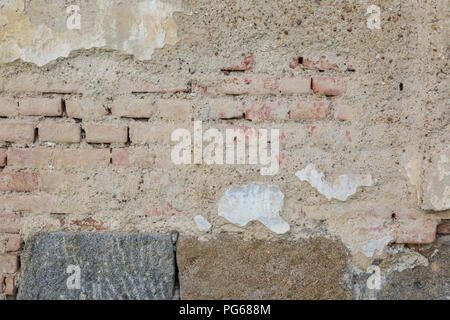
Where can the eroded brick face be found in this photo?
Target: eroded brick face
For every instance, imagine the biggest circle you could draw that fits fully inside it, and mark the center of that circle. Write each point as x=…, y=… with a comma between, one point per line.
x=8, y=107
x=17, y=132
x=106, y=133
x=9, y=263
x=40, y=107
x=19, y=182
x=59, y=132
x=9, y=222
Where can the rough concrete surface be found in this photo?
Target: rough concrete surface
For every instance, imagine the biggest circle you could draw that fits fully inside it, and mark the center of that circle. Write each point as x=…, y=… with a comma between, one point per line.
x=229, y=268
x=111, y=266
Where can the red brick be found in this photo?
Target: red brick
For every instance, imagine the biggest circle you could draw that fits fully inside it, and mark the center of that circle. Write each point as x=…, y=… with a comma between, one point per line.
x=225, y=109
x=85, y=109
x=59, y=132
x=295, y=84
x=17, y=132
x=246, y=84
x=10, y=286
x=322, y=64
x=132, y=86
x=14, y=242
x=246, y=64
x=43, y=204
x=29, y=203
x=294, y=63
x=329, y=85
x=444, y=228
x=174, y=109
x=40, y=107
x=81, y=158
x=9, y=223
x=8, y=107
x=18, y=181
x=2, y=158
x=133, y=157
x=29, y=158
x=106, y=133
x=414, y=231
x=151, y=133
x=266, y=110
x=407, y=226
x=128, y=107
x=310, y=110
x=9, y=263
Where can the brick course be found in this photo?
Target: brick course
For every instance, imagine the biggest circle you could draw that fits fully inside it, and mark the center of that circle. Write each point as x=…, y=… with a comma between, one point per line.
x=51, y=107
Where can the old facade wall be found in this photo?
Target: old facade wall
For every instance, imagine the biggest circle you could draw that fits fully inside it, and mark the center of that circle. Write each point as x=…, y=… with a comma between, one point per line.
x=85, y=136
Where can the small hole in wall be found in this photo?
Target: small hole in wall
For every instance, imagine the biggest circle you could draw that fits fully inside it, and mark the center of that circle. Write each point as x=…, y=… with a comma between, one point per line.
x=401, y=86
x=300, y=60
x=36, y=135
x=393, y=215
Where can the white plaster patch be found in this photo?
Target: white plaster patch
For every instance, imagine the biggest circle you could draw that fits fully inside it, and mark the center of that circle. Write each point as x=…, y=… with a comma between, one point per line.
x=375, y=247
x=254, y=202
x=202, y=223
x=343, y=187
x=39, y=31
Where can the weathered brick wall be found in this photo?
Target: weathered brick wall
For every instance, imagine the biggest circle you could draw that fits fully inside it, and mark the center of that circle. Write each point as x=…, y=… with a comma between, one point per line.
x=85, y=140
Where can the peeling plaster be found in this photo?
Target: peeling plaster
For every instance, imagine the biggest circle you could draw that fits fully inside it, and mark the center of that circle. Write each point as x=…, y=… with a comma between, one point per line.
x=37, y=30
x=342, y=188
x=375, y=247
x=405, y=259
x=254, y=202
x=436, y=183
x=202, y=223
x=410, y=261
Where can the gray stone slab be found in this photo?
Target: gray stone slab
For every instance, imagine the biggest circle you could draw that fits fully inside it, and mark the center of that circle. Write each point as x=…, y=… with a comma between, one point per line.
x=112, y=266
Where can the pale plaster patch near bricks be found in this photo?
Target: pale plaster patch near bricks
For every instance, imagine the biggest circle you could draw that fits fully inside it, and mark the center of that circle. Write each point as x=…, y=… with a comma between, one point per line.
x=436, y=181
x=135, y=28
x=369, y=228
x=342, y=188
x=254, y=202
x=376, y=246
x=202, y=223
